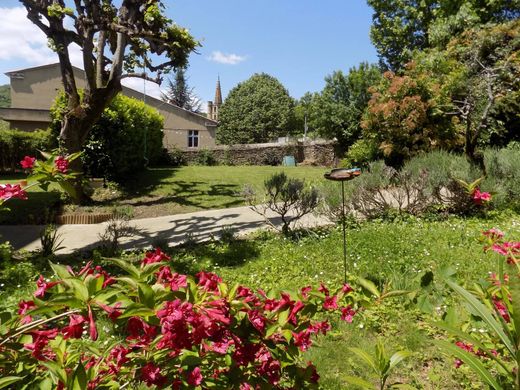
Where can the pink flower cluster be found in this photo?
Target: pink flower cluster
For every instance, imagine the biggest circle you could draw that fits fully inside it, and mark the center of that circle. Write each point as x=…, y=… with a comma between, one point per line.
x=480, y=198
x=62, y=164
x=200, y=316
x=9, y=191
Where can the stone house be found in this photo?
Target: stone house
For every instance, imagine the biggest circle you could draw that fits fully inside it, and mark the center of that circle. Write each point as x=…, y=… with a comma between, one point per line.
x=33, y=91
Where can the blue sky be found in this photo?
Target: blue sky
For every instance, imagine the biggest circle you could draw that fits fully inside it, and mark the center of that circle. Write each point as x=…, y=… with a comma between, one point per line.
x=297, y=41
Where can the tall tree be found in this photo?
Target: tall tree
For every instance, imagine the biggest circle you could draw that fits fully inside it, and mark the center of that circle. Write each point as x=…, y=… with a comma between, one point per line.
x=402, y=26
x=256, y=110
x=337, y=110
x=180, y=94
x=118, y=39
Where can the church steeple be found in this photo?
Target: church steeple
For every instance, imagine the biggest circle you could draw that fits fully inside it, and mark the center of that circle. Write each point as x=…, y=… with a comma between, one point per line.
x=213, y=106
x=218, y=93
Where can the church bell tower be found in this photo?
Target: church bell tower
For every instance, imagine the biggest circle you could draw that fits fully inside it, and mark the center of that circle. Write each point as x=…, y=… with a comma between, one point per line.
x=214, y=106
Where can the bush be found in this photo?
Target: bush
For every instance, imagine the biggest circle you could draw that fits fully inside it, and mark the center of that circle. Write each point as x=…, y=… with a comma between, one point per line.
x=175, y=157
x=360, y=154
x=15, y=145
x=157, y=327
x=206, y=157
x=503, y=176
x=126, y=139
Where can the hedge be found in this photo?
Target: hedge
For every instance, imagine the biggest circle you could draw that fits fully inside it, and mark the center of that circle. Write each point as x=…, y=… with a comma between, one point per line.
x=15, y=144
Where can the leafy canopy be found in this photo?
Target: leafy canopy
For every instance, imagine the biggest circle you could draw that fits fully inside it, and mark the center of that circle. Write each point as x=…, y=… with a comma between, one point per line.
x=256, y=110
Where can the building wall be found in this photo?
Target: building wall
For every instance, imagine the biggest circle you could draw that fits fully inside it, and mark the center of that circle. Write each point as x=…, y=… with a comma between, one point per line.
x=39, y=87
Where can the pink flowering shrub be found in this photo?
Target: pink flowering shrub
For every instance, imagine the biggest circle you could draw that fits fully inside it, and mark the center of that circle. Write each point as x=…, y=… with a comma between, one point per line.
x=91, y=330
x=491, y=348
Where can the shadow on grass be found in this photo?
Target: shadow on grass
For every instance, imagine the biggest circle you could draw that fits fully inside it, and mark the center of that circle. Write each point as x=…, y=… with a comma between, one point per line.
x=40, y=208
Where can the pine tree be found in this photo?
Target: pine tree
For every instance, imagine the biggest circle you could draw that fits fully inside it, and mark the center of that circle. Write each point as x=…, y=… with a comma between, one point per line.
x=180, y=94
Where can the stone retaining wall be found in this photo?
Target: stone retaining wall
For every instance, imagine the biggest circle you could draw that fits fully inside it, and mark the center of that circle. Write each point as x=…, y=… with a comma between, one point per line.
x=321, y=153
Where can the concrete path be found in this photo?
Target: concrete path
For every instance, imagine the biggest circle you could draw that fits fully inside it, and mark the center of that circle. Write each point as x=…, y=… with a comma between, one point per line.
x=174, y=229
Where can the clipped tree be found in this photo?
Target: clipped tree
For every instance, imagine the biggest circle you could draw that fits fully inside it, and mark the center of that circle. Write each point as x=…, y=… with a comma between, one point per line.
x=118, y=39
x=336, y=112
x=256, y=110
x=180, y=94
x=126, y=138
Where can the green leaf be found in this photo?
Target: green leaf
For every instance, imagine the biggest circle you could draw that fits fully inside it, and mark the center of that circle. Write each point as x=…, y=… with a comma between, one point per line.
x=424, y=304
x=126, y=266
x=471, y=361
x=514, y=290
x=370, y=286
x=60, y=271
x=354, y=380
x=485, y=314
x=146, y=295
x=365, y=357
x=398, y=357
x=93, y=284
x=79, y=289
x=80, y=378
x=189, y=358
x=9, y=380
x=138, y=311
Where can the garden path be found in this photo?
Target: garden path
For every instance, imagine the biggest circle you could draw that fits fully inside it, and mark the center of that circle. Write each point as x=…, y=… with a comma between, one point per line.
x=173, y=229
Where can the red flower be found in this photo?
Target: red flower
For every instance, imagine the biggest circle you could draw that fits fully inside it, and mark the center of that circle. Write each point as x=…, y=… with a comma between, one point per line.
x=195, y=377
x=257, y=320
x=347, y=314
x=303, y=339
x=209, y=281
x=322, y=327
x=305, y=291
x=501, y=309
x=8, y=191
x=294, y=310
x=61, y=164
x=331, y=303
x=494, y=234
x=151, y=375
x=346, y=288
x=75, y=328
x=178, y=281
x=323, y=289
x=40, y=339
x=118, y=353
x=113, y=312
x=24, y=307
x=28, y=162
x=480, y=198
x=157, y=256
x=92, y=325
x=43, y=286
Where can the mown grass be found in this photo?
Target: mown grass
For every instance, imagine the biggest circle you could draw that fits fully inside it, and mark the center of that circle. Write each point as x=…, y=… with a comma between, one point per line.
x=397, y=252
x=162, y=191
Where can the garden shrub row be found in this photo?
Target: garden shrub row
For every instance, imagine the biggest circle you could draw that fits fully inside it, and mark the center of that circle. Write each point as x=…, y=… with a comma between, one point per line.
x=431, y=182
x=15, y=144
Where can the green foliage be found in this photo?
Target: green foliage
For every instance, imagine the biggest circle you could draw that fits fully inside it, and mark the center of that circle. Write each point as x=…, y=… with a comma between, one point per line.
x=290, y=198
x=180, y=94
x=50, y=240
x=15, y=145
x=400, y=27
x=362, y=152
x=175, y=157
x=5, y=95
x=256, y=110
x=206, y=157
x=404, y=117
x=336, y=111
x=126, y=138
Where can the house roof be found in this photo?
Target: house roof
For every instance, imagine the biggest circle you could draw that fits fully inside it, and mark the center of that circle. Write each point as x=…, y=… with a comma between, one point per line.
x=210, y=122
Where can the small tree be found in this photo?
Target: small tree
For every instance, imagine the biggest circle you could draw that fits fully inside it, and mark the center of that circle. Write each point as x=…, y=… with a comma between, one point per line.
x=257, y=110
x=287, y=197
x=118, y=40
x=180, y=94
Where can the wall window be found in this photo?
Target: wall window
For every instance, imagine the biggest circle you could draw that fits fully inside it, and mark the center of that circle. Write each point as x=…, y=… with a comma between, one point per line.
x=193, y=138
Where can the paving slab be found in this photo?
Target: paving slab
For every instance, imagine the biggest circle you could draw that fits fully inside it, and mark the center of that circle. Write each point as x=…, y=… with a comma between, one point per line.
x=173, y=229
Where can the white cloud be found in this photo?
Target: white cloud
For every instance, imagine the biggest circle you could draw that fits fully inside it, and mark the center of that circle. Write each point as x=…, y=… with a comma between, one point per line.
x=224, y=58
x=22, y=40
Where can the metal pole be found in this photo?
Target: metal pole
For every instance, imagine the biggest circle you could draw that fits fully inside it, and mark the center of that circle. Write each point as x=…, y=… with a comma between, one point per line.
x=344, y=232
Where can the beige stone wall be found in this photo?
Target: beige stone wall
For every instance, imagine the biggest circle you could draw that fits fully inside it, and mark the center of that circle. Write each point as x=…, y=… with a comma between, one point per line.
x=320, y=153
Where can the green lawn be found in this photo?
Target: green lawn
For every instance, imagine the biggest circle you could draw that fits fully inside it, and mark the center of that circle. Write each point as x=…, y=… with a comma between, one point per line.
x=397, y=252
x=162, y=191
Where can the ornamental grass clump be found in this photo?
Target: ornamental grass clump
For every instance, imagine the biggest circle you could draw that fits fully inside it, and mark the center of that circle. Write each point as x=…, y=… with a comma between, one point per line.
x=88, y=329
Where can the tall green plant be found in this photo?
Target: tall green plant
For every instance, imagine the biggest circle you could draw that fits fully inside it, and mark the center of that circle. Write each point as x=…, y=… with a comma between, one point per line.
x=493, y=355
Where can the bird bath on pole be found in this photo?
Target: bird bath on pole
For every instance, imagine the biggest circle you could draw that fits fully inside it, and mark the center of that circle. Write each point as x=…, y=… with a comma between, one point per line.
x=342, y=175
